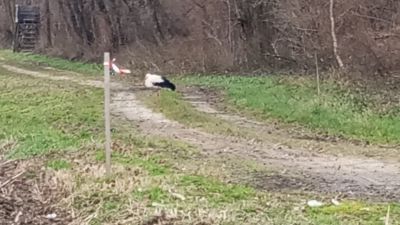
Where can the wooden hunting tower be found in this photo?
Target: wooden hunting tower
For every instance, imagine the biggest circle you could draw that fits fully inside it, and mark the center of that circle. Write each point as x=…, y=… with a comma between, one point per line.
x=27, y=24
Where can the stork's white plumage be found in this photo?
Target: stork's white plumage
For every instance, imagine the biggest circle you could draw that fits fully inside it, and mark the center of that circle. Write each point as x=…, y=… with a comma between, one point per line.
x=115, y=67
x=117, y=70
x=158, y=81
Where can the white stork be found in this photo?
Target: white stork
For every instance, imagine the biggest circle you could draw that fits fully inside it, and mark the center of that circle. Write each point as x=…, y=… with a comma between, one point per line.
x=157, y=82
x=117, y=70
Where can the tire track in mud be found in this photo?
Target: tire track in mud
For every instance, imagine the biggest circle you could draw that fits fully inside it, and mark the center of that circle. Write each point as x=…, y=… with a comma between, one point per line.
x=352, y=176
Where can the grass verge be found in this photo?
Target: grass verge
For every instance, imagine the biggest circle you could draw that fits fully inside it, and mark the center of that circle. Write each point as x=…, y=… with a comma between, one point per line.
x=34, y=60
x=336, y=111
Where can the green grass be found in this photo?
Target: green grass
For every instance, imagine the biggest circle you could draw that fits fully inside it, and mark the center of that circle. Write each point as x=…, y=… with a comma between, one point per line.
x=347, y=211
x=44, y=116
x=154, y=194
x=154, y=165
x=215, y=191
x=58, y=63
x=59, y=164
x=294, y=100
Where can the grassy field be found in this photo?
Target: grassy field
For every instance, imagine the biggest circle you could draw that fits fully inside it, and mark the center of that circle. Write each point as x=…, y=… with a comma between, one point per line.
x=40, y=117
x=62, y=123
x=37, y=61
x=337, y=111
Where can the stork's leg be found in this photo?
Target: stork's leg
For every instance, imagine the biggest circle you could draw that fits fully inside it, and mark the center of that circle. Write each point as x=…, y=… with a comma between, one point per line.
x=156, y=92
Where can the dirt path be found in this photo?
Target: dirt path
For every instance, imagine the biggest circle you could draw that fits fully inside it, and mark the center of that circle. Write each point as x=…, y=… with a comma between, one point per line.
x=296, y=137
x=351, y=176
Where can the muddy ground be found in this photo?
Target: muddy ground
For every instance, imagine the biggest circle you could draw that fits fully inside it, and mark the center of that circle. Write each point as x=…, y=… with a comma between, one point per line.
x=295, y=167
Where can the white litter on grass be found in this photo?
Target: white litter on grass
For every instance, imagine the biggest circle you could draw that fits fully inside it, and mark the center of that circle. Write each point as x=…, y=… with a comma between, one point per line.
x=16, y=220
x=51, y=216
x=335, y=202
x=159, y=205
x=314, y=203
x=365, y=209
x=178, y=196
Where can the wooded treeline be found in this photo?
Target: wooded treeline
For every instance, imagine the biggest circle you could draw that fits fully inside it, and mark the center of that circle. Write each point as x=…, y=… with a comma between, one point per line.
x=220, y=35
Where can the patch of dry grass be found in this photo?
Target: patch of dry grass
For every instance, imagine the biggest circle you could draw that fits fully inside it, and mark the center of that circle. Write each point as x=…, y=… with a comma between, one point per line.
x=188, y=194
x=7, y=145
x=134, y=196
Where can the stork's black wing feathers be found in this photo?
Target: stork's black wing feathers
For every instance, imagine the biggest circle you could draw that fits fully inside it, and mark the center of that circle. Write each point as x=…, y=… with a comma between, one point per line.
x=165, y=84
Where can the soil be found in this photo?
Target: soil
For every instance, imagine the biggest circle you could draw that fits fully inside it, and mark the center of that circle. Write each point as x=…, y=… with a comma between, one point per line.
x=26, y=197
x=297, y=168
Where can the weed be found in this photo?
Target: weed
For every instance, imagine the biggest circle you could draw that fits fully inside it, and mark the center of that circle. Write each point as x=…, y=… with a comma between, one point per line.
x=344, y=213
x=154, y=194
x=59, y=164
x=215, y=191
x=154, y=165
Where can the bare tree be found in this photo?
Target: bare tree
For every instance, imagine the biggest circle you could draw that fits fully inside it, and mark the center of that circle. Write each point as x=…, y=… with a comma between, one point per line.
x=333, y=33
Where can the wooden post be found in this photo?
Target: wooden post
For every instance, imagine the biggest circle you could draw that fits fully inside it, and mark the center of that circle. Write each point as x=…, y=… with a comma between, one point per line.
x=317, y=71
x=15, y=39
x=107, y=111
x=16, y=13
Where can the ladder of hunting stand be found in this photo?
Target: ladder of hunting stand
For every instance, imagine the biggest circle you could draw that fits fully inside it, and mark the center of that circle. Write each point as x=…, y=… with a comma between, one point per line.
x=27, y=22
